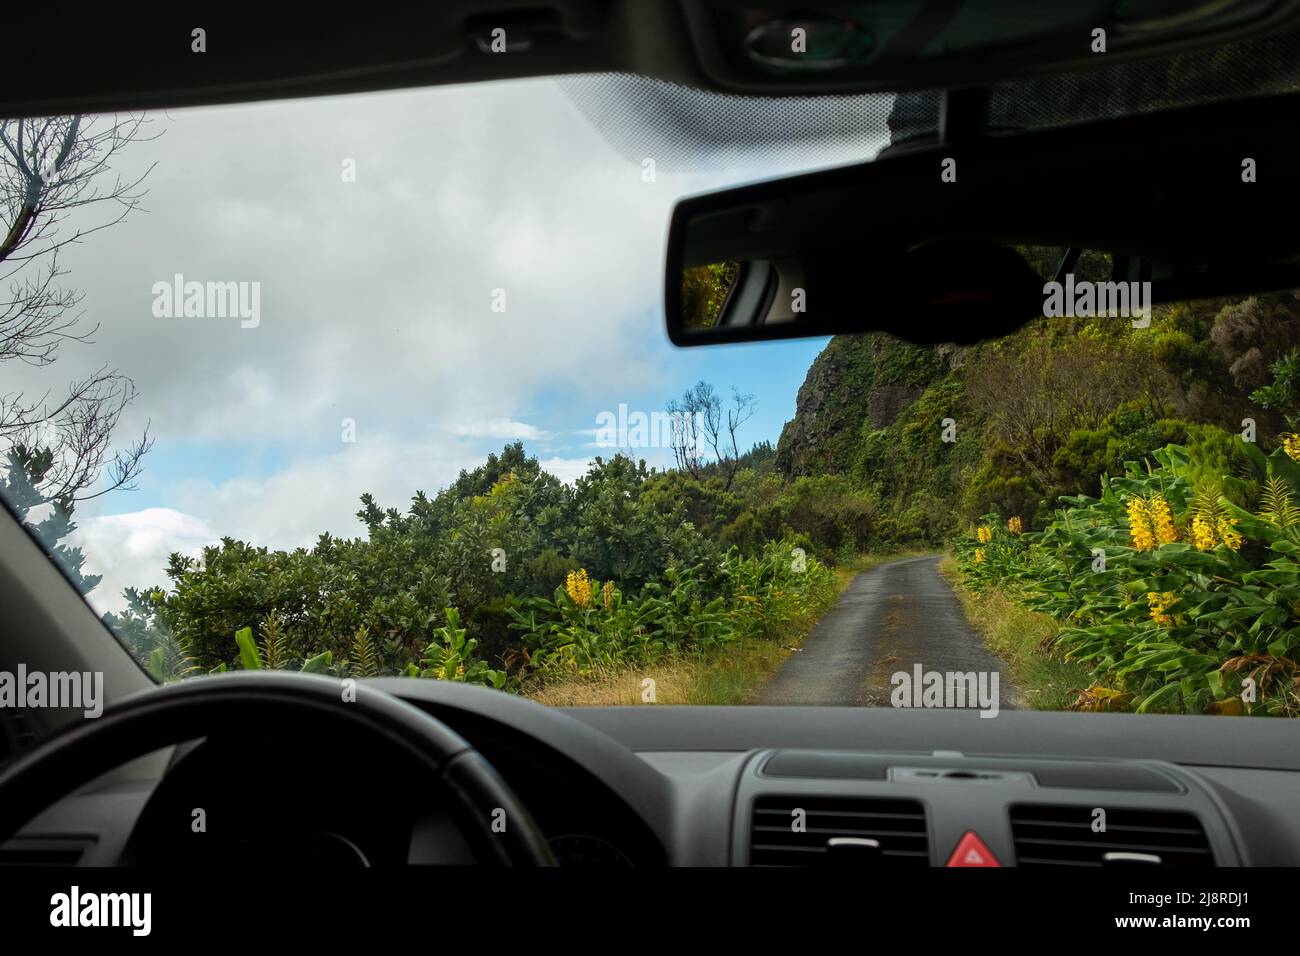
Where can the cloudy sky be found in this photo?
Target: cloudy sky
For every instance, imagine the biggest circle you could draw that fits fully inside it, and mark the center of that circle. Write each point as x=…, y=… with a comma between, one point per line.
x=376, y=305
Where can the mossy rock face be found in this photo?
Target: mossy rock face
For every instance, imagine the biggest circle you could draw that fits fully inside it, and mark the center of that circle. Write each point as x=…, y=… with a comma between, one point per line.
x=856, y=379
x=888, y=401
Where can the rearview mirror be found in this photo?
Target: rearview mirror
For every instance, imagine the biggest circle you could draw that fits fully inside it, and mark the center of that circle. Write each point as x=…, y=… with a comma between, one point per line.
x=950, y=243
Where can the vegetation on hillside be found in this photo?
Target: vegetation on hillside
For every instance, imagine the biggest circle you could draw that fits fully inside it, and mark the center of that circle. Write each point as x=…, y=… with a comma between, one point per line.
x=505, y=575
x=1181, y=592
x=1035, y=416
x=1156, y=516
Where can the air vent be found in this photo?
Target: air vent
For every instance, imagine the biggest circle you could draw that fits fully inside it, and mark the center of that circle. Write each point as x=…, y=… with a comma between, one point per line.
x=1064, y=836
x=858, y=831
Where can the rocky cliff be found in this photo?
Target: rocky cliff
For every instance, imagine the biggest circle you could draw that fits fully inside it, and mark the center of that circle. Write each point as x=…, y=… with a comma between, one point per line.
x=857, y=383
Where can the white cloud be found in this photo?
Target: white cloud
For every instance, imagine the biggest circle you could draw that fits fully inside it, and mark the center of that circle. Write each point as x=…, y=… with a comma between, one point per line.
x=501, y=428
x=376, y=296
x=287, y=509
x=320, y=493
x=131, y=549
x=568, y=470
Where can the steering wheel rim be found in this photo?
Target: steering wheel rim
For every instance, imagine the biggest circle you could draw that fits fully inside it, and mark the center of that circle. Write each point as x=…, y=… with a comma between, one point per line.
x=196, y=708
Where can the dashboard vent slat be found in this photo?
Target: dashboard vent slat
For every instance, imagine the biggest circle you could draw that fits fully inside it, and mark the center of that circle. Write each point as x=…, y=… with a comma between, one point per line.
x=898, y=825
x=41, y=851
x=1064, y=836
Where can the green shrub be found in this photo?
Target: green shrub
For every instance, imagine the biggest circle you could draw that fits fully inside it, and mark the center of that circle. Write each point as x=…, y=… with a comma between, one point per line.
x=1177, y=597
x=588, y=625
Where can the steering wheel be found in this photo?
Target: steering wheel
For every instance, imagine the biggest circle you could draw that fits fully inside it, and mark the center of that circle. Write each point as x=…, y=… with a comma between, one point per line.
x=484, y=808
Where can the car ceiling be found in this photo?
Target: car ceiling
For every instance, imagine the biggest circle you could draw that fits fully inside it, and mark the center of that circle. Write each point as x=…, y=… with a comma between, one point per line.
x=118, y=60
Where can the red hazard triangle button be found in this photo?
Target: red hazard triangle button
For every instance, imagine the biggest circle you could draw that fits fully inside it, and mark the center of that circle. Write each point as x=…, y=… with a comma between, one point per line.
x=971, y=851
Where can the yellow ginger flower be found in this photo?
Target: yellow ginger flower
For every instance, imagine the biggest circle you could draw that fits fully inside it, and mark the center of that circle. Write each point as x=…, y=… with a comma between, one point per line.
x=607, y=595
x=578, y=586
x=1162, y=520
x=1139, y=524
x=1150, y=522
x=985, y=534
x=1207, y=536
x=1228, y=533
x=1160, y=602
x=1291, y=444
x=1014, y=525
x=1203, y=534
x=979, y=555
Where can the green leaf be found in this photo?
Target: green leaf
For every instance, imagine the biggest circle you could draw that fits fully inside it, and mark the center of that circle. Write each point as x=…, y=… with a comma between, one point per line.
x=1161, y=696
x=249, y=655
x=314, y=665
x=154, y=664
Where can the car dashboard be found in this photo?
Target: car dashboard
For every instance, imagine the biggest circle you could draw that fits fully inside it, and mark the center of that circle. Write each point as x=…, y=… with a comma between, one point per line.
x=740, y=786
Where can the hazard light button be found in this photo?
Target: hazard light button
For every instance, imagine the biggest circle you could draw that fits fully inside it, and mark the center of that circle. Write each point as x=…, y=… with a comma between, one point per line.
x=971, y=851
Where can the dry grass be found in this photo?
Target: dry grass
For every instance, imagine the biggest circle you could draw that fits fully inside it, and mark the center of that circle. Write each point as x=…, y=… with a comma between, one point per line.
x=729, y=677
x=608, y=688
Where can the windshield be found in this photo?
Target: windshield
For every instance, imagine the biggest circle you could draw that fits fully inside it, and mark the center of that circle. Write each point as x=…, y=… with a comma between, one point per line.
x=378, y=386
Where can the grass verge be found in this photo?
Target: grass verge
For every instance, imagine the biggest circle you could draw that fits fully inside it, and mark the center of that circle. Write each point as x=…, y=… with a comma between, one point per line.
x=1022, y=638
x=728, y=677
x=731, y=676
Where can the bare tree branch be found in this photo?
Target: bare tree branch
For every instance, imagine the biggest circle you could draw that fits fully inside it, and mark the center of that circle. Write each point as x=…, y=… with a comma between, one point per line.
x=51, y=169
x=700, y=417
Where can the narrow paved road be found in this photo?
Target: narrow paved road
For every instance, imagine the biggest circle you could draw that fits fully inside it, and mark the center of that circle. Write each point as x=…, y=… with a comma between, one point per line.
x=889, y=619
